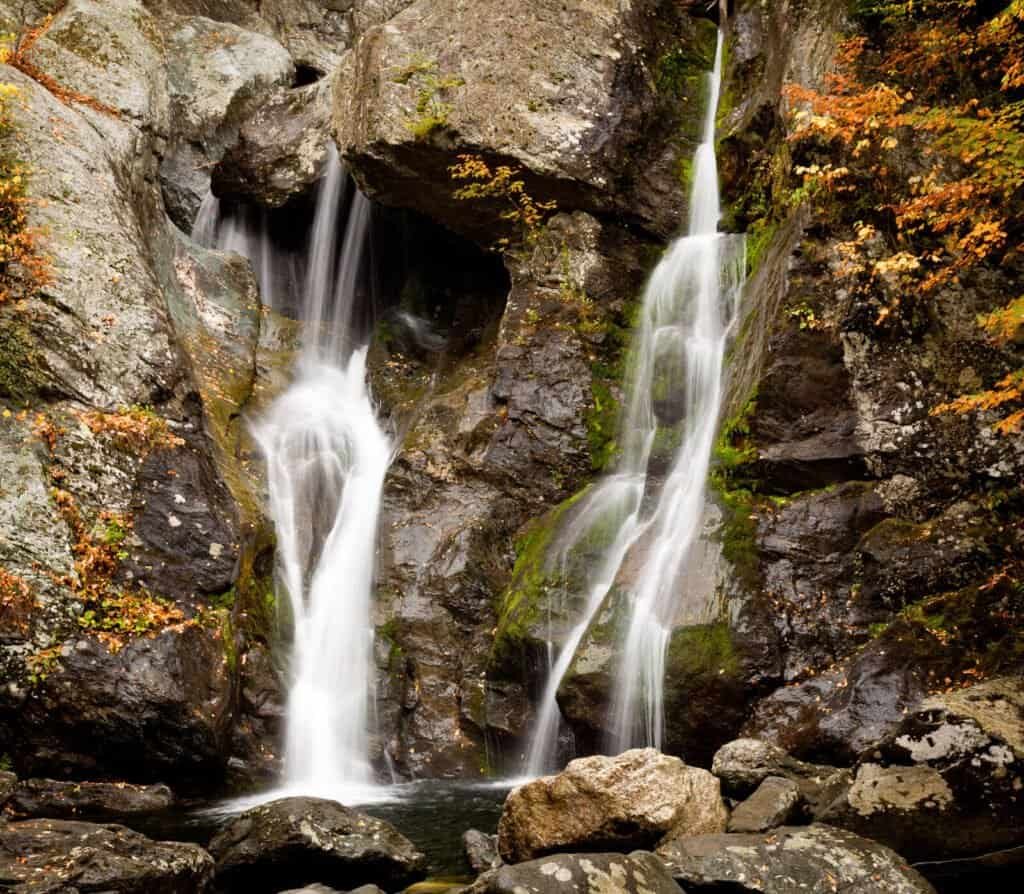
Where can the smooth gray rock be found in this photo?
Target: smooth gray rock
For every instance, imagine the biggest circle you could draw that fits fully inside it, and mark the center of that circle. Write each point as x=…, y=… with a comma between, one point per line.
x=297, y=841
x=790, y=860
x=218, y=75
x=280, y=150
x=481, y=850
x=774, y=803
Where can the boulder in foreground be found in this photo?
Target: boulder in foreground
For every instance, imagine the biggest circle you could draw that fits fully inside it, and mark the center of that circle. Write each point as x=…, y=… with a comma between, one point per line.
x=61, y=856
x=790, y=860
x=638, y=873
x=294, y=842
x=947, y=783
x=610, y=803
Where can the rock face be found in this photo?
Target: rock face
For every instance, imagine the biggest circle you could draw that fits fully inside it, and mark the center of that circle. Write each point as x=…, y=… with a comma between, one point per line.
x=598, y=802
x=280, y=150
x=791, y=860
x=57, y=855
x=160, y=706
x=566, y=99
x=946, y=783
x=509, y=426
x=90, y=800
x=296, y=841
x=89, y=517
x=605, y=873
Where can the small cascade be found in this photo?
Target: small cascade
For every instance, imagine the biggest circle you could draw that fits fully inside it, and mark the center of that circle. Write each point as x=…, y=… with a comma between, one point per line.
x=688, y=306
x=326, y=456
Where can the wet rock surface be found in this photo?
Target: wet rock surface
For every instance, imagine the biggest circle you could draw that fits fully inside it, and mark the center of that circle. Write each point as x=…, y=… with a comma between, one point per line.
x=41, y=855
x=606, y=873
x=598, y=802
x=481, y=850
x=296, y=841
x=789, y=860
x=946, y=783
x=161, y=707
x=55, y=799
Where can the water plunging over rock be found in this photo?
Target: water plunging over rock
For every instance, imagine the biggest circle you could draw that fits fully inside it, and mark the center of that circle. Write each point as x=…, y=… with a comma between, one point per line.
x=675, y=393
x=326, y=459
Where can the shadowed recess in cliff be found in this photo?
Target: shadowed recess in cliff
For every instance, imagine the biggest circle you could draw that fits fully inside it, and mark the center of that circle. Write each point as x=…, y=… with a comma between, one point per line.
x=674, y=400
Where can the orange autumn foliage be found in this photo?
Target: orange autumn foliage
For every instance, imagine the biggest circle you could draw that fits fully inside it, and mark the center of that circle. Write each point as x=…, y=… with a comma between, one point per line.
x=918, y=138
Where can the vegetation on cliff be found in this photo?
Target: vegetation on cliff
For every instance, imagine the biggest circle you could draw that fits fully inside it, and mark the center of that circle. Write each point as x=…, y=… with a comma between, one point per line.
x=915, y=146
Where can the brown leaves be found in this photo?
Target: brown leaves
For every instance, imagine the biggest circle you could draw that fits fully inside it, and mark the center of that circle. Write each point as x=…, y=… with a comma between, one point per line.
x=133, y=428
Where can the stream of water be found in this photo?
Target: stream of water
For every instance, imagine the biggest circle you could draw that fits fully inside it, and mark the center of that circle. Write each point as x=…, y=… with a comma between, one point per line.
x=326, y=456
x=674, y=388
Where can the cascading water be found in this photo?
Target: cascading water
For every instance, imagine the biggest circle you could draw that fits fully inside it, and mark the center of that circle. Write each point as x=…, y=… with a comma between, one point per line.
x=326, y=460
x=688, y=306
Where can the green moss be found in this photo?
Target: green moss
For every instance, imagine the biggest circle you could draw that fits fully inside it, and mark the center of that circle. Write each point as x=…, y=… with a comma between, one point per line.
x=705, y=650
x=532, y=579
x=759, y=236
x=733, y=448
x=602, y=426
x=431, y=110
x=389, y=633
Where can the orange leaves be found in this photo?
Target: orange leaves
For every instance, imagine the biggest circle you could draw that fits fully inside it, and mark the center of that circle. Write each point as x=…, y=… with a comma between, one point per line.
x=24, y=268
x=1007, y=391
x=1006, y=324
x=481, y=182
x=133, y=428
x=16, y=603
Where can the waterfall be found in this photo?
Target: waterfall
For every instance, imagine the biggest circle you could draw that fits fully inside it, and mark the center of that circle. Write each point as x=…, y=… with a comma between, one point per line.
x=688, y=306
x=326, y=457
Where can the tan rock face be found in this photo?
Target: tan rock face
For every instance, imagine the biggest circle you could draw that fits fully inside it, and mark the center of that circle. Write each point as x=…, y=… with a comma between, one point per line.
x=610, y=802
x=564, y=91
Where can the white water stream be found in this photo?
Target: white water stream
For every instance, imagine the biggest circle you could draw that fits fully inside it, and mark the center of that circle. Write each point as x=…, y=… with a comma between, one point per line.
x=688, y=306
x=326, y=456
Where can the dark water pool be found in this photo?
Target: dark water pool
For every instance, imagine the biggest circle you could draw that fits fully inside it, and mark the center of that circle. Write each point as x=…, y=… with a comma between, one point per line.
x=432, y=814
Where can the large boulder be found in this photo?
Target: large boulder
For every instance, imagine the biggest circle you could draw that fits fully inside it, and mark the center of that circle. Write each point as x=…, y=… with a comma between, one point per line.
x=637, y=873
x=774, y=803
x=619, y=802
x=562, y=92
x=790, y=860
x=743, y=765
x=59, y=855
x=55, y=799
x=280, y=150
x=947, y=783
x=218, y=75
x=297, y=841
